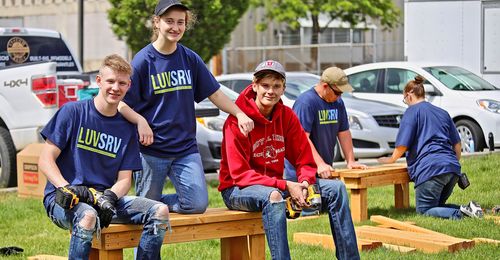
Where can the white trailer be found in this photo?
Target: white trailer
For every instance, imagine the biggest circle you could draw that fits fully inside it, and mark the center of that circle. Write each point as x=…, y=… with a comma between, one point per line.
x=463, y=33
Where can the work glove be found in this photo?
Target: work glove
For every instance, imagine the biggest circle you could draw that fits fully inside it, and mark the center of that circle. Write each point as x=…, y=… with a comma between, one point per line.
x=68, y=196
x=106, y=204
x=85, y=194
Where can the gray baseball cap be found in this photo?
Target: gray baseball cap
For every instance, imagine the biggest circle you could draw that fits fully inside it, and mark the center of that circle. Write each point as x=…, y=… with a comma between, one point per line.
x=164, y=5
x=271, y=65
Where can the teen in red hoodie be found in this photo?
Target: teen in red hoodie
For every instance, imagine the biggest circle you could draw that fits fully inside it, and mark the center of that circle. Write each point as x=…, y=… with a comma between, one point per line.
x=251, y=172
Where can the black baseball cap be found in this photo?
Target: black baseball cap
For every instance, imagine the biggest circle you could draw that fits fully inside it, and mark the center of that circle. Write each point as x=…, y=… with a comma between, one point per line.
x=163, y=6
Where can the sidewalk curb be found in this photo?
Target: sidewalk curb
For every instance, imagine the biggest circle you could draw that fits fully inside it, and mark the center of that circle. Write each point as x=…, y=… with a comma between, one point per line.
x=8, y=190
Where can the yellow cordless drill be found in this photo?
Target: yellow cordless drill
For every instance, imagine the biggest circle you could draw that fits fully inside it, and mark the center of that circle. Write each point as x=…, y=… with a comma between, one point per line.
x=313, y=201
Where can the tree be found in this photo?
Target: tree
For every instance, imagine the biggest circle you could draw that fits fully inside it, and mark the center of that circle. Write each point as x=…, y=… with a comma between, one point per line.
x=351, y=11
x=216, y=19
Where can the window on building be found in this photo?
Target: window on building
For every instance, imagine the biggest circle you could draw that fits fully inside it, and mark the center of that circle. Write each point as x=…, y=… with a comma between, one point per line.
x=341, y=35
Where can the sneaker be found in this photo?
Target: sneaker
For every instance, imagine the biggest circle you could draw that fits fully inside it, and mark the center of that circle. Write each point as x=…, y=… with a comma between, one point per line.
x=472, y=210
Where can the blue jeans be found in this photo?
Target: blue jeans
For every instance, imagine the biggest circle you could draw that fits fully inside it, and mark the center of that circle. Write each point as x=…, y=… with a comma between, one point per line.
x=290, y=173
x=187, y=176
x=432, y=194
x=129, y=209
x=256, y=198
x=334, y=200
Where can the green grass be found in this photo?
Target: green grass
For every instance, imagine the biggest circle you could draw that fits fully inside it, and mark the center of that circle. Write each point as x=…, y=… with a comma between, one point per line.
x=23, y=223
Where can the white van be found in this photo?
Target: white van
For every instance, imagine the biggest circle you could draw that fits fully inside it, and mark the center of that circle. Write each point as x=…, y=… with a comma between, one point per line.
x=473, y=103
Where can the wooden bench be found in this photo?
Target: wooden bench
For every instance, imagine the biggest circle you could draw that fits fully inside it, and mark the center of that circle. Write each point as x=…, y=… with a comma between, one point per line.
x=241, y=234
x=358, y=181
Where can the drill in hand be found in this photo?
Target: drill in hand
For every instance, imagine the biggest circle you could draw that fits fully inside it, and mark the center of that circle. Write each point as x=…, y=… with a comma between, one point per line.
x=313, y=201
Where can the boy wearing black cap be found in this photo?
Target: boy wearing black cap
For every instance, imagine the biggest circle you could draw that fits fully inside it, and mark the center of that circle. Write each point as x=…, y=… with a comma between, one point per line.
x=167, y=79
x=251, y=173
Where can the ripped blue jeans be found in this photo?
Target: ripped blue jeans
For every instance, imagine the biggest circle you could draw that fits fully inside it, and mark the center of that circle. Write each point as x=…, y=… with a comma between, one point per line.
x=129, y=209
x=256, y=198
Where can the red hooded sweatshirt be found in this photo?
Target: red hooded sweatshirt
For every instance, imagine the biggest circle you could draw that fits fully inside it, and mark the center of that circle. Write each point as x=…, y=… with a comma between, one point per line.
x=259, y=158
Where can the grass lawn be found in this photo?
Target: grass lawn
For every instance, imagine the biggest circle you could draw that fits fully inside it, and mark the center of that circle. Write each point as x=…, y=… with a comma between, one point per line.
x=23, y=223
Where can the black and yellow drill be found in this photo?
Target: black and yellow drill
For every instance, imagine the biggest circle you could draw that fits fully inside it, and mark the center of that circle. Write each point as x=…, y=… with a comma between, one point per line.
x=313, y=201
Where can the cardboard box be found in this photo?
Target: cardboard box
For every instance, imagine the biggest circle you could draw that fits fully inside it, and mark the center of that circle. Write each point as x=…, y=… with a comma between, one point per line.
x=30, y=181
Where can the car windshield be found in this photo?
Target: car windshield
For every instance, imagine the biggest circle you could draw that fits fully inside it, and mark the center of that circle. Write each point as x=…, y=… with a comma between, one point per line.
x=296, y=85
x=457, y=78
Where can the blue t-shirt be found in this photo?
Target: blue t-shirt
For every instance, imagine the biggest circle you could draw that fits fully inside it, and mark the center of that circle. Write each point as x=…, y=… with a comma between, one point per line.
x=164, y=89
x=94, y=147
x=322, y=120
x=429, y=134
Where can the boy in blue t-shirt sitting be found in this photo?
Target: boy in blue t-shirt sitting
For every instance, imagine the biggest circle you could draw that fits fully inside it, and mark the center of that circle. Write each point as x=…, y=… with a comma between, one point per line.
x=88, y=158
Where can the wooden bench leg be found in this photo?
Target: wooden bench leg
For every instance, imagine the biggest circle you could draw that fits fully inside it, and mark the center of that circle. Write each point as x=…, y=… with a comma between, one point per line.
x=96, y=254
x=359, y=204
x=257, y=247
x=243, y=248
x=401, y=196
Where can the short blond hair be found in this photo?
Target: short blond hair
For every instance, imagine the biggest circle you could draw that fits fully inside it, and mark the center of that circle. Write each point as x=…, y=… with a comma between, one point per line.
x=116, y=63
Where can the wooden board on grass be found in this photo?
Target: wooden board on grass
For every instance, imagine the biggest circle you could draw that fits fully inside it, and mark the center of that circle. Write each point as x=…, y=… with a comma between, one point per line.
x=326, y=241
x=400, y=249
x=423, y=242
x=400, y=225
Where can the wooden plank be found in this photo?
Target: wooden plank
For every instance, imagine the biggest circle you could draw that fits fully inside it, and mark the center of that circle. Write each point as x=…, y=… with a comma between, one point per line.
x=423, y=242
x=326, y=241
x=389, y=226
x=431, y=237
x=257, y=244
x=496, y=219
x=359, y=205
x=399, y=225
x=47, y=257
x=386, y=179
x=375, y=180
x=372, y=170
x=366, y=244
x=400, y=249
x=234, y=248
x=106, y=255
x=486, y=240
x=402, y=196
x=212, y=215
x=186, y=233
x=353, y=183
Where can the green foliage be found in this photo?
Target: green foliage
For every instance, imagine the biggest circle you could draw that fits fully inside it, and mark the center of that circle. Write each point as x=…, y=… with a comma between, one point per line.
x=24, y=223
x=352, y=11
x=131, y=21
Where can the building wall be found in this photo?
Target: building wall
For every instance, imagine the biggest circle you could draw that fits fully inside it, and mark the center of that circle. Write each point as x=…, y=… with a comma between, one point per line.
x=246, y=48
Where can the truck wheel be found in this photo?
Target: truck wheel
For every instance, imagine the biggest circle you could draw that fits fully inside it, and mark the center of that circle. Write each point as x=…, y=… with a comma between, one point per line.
x=8, y=175
x=470, y=131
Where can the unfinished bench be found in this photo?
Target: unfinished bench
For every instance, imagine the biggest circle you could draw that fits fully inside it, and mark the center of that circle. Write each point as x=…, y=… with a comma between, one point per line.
x=241, y=234
x=358, y=181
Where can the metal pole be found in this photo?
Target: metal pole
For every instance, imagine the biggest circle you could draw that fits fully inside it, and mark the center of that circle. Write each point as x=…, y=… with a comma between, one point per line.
x=80, y=31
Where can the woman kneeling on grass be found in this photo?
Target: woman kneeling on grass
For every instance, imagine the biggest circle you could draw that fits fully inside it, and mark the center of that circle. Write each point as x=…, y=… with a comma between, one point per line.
x=432, y=144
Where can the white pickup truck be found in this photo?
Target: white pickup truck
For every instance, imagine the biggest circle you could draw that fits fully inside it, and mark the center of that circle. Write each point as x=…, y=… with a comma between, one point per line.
x=38, y=74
